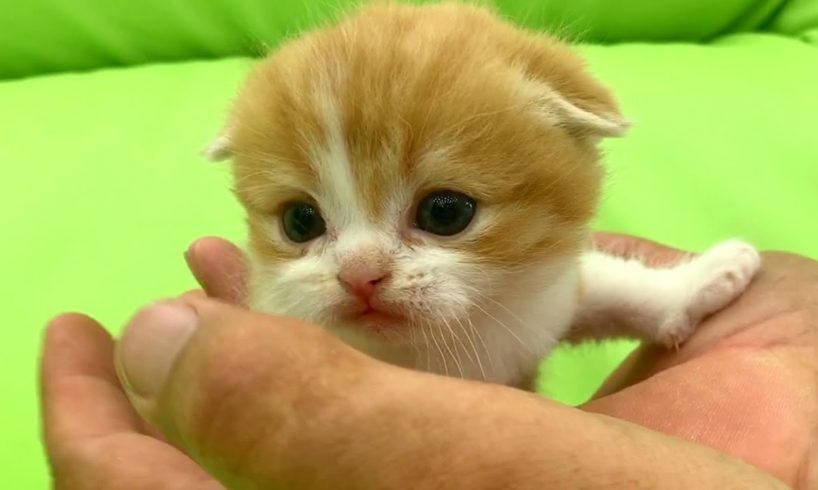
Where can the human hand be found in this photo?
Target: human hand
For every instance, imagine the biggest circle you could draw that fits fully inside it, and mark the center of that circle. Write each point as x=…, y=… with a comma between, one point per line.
x=93, y=437
x=745, y=383
x=462, y=424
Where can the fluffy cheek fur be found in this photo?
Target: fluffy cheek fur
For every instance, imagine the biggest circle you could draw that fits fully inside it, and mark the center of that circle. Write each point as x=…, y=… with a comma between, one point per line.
x=460, y=314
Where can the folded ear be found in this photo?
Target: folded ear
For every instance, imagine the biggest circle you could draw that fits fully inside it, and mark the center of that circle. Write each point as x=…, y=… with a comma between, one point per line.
x=220, y=148
x=582, y=122
x=586, y=122
x=557, y=85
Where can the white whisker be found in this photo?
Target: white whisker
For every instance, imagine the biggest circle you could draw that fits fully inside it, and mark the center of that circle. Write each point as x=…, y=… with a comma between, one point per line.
x=455, y=354
x=473, y=346
x=482, y=342
x=507, y=329
x=439, y=350
x=428, y=348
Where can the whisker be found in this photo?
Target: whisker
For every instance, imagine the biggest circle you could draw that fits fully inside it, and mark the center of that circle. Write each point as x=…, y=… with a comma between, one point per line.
x=457, y=338
x=455, y=354
x=428, y=347
x=507, y=329
x=412, y=340
x=473, y=346
x=482, y=342
x=504, y=307
x=516, y=318
x=439, y=350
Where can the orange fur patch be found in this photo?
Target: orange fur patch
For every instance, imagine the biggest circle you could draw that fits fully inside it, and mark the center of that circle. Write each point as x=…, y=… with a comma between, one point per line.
x=433, y=97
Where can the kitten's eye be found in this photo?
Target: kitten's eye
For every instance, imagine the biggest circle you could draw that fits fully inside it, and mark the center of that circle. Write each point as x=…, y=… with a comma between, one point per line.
x=445, y=213
x=302, y=222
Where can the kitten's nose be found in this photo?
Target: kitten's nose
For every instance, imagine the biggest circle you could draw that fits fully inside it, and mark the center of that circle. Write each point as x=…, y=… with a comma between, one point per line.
x=361, y=279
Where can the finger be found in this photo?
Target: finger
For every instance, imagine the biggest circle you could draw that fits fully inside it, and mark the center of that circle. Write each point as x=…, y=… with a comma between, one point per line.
x=219, y=267
x=80, y=394
x=193, y=294
x=222, y=382
x=266, y=402
x=652, y=253
x=639, y=365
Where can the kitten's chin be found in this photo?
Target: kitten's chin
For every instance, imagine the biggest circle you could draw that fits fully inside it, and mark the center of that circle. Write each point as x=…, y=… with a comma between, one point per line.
x=374, y=319
x=378, y=324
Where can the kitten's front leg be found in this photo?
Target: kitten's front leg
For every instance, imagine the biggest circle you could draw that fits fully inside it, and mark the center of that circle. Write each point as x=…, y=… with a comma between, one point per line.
x=626, y=298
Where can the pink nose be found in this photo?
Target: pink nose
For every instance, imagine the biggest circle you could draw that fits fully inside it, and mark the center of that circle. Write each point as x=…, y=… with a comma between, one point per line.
x=361, y=279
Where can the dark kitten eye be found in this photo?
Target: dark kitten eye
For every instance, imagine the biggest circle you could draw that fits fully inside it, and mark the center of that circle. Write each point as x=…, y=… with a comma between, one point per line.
x=445, y=213
x=302, y=222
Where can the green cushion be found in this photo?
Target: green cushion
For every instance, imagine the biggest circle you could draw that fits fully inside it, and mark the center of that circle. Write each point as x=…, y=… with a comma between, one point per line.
x=644, y=20
x=799, y=18
x=102, y=188
x=39, y=36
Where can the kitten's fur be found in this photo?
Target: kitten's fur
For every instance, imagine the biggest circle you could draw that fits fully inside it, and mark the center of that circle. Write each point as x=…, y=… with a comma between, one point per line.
x=365, y=117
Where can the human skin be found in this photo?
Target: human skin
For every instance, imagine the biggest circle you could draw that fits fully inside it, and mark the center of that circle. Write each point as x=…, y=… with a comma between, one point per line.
x=266, y=402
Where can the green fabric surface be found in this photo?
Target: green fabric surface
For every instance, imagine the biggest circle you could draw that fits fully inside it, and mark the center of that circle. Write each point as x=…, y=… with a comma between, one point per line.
x=40, y=36
x=102, y=187
x=609, y=21
x=56, y=35
x=799, y=18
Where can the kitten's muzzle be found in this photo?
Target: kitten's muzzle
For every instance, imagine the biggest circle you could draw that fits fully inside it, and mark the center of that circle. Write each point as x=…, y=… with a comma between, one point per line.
x=361, y=279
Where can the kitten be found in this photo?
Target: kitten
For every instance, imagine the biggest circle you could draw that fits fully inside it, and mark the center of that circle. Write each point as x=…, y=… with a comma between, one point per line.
x=420, y=179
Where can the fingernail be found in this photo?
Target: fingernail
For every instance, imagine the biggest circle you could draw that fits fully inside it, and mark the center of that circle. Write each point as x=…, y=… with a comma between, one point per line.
x=151, y=343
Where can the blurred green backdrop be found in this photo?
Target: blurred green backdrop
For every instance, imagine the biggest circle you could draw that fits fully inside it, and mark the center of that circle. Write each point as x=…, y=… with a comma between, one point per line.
x=104, y=105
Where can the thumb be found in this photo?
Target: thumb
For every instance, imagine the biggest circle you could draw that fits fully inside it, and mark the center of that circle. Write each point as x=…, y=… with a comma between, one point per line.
x=234, y=389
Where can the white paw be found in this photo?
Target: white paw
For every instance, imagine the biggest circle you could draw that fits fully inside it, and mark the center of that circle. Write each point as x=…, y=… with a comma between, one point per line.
x=720, y=275
x=710, y=282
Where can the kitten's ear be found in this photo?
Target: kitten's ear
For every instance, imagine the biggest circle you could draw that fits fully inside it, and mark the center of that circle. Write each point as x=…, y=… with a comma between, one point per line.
x=220, y=148
x=584, y=121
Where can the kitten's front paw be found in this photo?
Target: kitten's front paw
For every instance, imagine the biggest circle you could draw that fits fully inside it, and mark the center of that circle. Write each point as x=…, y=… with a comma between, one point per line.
x=674, y=330
x=722, y=274
x=713, y=280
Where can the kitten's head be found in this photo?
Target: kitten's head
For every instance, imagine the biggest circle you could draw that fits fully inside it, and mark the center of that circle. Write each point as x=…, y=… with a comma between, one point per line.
x=412, y=175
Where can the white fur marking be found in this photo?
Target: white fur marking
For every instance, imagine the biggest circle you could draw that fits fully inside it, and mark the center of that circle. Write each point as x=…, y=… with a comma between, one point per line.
x=341, y=201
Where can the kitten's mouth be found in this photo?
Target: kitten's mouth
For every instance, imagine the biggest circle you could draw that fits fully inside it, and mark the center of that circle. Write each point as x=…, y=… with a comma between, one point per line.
x=372, y=314
x=375, y=319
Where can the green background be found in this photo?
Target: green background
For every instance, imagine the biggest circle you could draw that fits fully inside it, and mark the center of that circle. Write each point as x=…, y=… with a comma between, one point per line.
x=104, y=105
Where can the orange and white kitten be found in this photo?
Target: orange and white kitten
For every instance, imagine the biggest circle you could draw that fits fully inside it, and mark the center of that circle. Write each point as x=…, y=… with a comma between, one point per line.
x=420, y=179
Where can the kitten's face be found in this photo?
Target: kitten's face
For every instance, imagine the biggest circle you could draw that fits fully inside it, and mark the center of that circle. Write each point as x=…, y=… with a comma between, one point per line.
x=414, y=182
